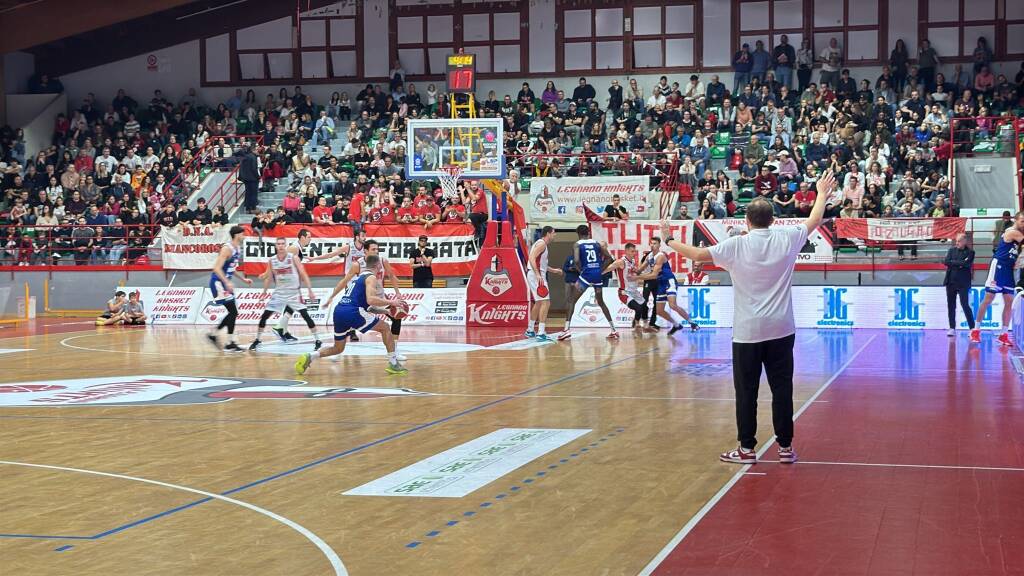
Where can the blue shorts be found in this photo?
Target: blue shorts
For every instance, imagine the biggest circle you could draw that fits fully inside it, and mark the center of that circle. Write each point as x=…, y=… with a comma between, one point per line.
x=1000, y=278
x=666, y=287
x=591, y=280
x=348, y=319
x=220, y=295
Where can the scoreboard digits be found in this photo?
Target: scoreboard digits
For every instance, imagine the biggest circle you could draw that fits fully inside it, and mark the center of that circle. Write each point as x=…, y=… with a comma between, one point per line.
x=461, y=73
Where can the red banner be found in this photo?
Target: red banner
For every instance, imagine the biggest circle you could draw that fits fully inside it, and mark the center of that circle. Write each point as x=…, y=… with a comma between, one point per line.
x=452, y=243
x=884, y=229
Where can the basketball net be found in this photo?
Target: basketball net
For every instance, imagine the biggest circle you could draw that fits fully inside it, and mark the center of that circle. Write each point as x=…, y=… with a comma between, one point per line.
x=449, y=178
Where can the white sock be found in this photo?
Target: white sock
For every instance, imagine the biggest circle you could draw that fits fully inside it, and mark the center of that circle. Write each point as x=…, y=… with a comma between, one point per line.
x=315, y=335
x=393, y=357
x=540, y=328
x=314, y=354
x=283, y=320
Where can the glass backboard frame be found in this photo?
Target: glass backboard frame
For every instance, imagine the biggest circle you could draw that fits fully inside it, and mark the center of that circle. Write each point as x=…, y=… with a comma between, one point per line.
x=415, y=170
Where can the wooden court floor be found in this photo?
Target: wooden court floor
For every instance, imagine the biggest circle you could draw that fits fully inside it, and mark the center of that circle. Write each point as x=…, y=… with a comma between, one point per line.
x=250, y=478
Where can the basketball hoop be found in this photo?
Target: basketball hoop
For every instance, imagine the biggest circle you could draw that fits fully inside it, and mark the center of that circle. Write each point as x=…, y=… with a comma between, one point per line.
x=449, y=178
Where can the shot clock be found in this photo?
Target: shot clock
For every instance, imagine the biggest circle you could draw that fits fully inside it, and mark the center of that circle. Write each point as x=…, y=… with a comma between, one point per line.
x=461, y=73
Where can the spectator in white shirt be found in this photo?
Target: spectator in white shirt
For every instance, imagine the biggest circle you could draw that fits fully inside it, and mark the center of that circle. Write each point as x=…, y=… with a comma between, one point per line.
x=760, y=264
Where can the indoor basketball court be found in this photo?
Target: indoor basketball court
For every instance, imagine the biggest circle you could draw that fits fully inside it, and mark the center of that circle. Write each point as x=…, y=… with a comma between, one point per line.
x=162, y=447
x=275, y=284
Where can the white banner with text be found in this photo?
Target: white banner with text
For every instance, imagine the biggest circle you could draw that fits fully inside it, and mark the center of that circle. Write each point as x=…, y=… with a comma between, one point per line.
x=562, y=199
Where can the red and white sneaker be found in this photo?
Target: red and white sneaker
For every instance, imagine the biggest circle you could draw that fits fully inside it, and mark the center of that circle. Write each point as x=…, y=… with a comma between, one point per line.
x=563, y=335
x=787, y=455
x=739, y=456
x=613, y=336
x=976, y=335
x=1004, y=339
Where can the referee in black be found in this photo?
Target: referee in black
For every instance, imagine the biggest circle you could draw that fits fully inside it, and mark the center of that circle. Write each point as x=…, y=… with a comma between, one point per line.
x=959, y=266
x=760, y=264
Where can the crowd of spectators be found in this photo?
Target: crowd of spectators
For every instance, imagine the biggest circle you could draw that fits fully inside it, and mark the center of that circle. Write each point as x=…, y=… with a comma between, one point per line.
x=125, y=168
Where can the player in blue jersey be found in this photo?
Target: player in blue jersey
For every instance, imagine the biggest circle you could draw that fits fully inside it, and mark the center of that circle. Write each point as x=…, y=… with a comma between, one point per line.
x=1000, y=278
x=224, y=269
x=661, y=270
x=591, y=258
x=358, y=311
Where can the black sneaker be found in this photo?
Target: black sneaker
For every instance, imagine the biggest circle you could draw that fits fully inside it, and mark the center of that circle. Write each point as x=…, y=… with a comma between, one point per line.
x=213, y=340
x=280, y=334
x=353, y=337
x=675, y=329
x=289, y=338
x=255, y=344
x=317, y=345
x=232, y=347
x=694, y=327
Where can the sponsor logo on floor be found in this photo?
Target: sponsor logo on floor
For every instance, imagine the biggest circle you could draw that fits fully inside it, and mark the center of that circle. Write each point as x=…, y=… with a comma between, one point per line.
x=459, y=471
x=174, y=390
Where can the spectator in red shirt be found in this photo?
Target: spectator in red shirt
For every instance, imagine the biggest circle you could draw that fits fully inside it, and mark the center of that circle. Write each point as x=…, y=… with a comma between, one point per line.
x=476, y=199
x=454, y=213
x=804, y=199
x=323, y=214
x=407, y=212
x=422, y=198
x=355, y=209
x=765, y=184
x=427, y=212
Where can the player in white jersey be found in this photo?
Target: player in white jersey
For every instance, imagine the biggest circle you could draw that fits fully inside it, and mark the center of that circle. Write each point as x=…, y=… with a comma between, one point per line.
x=349, y=253
x=286, y=270
x=537, y=280
x=383, y=271
x=627, y=270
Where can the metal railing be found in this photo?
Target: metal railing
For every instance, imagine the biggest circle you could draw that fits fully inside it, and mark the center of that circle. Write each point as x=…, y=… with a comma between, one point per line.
x=80, y=246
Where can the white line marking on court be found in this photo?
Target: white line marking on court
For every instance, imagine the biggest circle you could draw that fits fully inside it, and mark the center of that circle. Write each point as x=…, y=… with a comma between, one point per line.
x=692, y=523
x=755, y=473
x=884, y=465
x=329, y=553
x=65, y=343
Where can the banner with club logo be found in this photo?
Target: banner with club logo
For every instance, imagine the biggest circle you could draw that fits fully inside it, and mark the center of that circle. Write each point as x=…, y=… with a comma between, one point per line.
x=192, y=247
x=616, y=235
x=903, y=229
x=562, y=199
x=169, y=305
x=252, y=301
x=817, y=249
x=453, y=243
x=440, y=306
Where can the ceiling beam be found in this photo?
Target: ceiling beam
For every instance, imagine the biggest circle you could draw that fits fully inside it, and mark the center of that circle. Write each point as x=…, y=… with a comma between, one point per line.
x=34, y=23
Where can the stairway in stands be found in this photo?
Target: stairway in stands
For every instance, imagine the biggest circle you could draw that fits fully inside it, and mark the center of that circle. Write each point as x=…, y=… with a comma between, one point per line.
x=275, y=197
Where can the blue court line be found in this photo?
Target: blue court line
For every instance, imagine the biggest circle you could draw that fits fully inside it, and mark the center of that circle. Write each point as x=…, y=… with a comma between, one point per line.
x=368, y=445
x=500, y=497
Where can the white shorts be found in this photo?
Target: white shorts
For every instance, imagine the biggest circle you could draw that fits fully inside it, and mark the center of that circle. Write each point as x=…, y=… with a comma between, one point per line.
x=533, y=284
x=285, y=298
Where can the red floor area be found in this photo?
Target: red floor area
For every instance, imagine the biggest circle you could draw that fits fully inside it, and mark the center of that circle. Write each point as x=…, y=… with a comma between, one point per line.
x=914, y=400
x=42, y=326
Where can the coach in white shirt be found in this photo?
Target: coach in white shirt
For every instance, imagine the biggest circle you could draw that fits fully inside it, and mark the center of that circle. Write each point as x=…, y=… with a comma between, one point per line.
x=761, y=266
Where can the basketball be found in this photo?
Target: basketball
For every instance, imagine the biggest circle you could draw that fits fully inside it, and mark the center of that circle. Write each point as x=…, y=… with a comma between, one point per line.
x=398, y=310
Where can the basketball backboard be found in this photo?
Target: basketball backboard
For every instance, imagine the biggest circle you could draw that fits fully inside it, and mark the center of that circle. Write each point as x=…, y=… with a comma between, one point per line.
x=474, y=144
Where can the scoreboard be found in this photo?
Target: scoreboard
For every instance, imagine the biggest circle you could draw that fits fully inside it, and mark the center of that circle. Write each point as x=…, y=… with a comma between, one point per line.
x=461, y=73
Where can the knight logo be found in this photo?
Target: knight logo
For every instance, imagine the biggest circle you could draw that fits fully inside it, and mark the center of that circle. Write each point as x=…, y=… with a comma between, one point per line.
x=544, y=203
x=496, y=314
x=590, y=310
x=173, y=391
x=496, y=281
